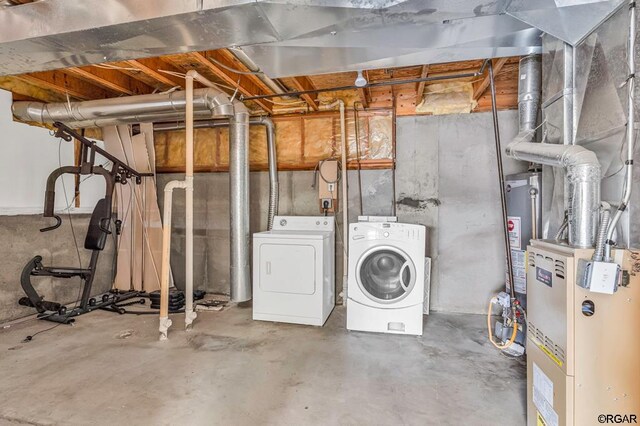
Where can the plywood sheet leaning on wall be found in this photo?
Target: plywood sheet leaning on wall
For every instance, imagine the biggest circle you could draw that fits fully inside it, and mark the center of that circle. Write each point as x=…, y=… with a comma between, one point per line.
x=140, y=241
x=301, y=141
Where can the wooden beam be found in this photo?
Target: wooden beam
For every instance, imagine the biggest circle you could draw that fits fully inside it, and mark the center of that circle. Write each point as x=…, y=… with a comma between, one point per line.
x=110, y=79
x=59, y=82
x=236, y=64
x=24, y=91
x=240, y=81
x=364, y=99
x=151, y=67
x=484, y=84
x=303, y=83
x=420, y=86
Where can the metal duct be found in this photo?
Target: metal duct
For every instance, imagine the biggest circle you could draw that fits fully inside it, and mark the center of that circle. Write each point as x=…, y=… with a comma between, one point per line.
x=583, y=178
x=273, y=170
x=275, y=86
x=133, y=109
x=271, y=150
x=239, y=203
x=529, y=95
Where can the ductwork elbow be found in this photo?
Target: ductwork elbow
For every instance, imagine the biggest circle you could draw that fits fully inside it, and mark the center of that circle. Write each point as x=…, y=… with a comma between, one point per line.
x=220, y=104
x=583, y=178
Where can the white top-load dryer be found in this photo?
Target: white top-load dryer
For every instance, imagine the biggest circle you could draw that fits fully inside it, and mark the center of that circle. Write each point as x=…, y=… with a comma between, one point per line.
x=385, y=287
x=294, y=270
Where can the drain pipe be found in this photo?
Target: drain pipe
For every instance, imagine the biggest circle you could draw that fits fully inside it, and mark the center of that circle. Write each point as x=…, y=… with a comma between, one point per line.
x=345, y=196
x=628, y=184
x=271, y=152
x=239, y=203
x=189, y=313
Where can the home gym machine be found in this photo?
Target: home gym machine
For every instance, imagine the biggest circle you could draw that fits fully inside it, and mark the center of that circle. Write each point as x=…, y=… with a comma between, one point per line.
x=96, y=238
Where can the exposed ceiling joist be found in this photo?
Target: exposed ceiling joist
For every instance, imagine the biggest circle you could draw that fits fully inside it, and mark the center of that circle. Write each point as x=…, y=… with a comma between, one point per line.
x=364, y=98
x=227, y=58
x=242, y=82
x=420, y=86
x=152, y=69
x=64, y=84
x=302, y=84
x=110, y=79
x=484, y=84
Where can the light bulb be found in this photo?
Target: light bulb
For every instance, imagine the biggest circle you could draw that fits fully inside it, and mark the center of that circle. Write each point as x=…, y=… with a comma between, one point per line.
x=360, y=80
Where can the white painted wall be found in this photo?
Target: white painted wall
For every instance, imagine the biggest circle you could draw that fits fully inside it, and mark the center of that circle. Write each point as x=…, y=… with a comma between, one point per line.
x=28, y=155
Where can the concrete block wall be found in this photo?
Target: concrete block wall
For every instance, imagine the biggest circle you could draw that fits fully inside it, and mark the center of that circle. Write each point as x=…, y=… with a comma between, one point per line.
x=446, y=179
x=22, y=240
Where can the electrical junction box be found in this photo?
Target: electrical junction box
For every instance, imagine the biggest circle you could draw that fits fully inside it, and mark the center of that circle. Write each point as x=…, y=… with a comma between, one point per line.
x=599, y=277
x=328, y=179
x=582, y=350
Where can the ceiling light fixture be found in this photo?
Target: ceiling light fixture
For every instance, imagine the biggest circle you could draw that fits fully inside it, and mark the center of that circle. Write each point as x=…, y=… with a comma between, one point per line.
x=360, y=80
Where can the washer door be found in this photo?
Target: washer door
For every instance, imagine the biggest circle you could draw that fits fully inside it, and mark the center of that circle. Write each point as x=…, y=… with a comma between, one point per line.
x=385, y=274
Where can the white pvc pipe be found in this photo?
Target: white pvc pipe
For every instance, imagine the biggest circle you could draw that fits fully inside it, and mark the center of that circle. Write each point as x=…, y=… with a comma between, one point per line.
x=187, y=184
x=165, y=322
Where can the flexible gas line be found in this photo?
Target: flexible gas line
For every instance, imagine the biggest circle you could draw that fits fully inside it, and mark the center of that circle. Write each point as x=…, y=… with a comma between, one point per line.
x=513, y=334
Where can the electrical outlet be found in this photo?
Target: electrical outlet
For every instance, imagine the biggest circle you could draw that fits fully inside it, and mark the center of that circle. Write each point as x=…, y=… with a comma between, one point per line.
x=331, y=187
x=327, y=203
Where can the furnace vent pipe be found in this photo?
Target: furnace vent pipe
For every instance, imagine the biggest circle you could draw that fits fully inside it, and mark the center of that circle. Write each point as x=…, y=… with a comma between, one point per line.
x=583, y=177
x=207, y=102
x=239, y=203
x=529, y=95
x=271, y=151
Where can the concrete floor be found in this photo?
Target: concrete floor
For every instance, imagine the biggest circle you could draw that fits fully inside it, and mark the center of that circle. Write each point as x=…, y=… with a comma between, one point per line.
x=234, y=371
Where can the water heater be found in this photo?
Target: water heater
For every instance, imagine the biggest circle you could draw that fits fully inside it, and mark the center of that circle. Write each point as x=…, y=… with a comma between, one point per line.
x=524, y=222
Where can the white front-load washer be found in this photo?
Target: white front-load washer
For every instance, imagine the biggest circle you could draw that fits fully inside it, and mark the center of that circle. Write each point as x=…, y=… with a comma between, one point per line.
x=385, y=287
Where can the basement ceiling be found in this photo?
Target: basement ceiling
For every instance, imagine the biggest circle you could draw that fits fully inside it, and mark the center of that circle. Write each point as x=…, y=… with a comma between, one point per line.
x=285, y=38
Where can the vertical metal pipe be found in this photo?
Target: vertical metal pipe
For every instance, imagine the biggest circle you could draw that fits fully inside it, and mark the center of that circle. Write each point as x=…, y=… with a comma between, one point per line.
x=239, y=203
x=189, y=313
x=503, y=200
x=628, y=184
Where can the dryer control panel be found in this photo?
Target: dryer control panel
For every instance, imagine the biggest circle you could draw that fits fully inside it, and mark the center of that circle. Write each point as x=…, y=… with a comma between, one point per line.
x=304, y=223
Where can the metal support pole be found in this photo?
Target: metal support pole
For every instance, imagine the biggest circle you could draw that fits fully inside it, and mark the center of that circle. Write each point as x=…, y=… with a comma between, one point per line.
x=503, y=199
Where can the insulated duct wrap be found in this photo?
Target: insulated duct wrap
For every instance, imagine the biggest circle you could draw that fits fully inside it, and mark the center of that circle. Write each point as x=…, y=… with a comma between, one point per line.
x=583, y=180
x=207, y=103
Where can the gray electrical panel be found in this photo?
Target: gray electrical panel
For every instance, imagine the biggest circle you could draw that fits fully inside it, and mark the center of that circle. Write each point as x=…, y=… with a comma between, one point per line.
x=523, y=191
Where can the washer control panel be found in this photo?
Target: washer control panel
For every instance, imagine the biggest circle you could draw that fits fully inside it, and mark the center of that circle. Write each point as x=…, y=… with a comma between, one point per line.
x=304, y=223
x=386, y=231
